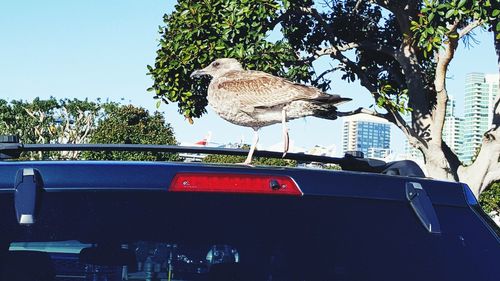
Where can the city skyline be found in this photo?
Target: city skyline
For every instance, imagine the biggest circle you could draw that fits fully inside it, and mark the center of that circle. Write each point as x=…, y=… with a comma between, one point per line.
x=463, y=134
x=480, y=92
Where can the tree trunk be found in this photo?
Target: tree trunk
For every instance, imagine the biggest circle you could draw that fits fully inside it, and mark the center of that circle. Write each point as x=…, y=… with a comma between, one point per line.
x=486, y=168
x=440, y=161
x=428, y=102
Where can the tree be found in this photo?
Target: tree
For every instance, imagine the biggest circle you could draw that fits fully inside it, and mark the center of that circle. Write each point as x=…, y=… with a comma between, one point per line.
x=131, y=125
x=50, y=121
x=215, y=29
x=81, y=121
x=398, y=50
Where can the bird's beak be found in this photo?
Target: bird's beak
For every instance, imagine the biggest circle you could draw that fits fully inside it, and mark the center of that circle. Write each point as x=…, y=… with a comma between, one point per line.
x=198, y=73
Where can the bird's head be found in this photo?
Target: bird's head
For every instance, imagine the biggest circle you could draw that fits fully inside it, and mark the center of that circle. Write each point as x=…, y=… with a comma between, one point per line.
x=218, y=68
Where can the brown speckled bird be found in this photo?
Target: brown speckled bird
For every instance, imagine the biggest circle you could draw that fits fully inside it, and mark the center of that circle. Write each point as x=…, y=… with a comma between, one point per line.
x=257, y=99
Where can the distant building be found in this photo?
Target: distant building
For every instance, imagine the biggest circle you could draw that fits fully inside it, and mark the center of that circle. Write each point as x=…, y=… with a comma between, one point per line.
x=320, y=150
x=368, y=134
x=375, y=152
x=492, y=82
x=480, y=93
x=453, y=128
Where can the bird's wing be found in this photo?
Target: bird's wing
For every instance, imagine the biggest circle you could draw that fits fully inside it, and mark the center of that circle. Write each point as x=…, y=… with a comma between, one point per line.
x=259, y=89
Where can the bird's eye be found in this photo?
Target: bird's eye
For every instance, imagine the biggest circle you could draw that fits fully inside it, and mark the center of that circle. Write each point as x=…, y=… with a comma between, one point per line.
x=215, y=64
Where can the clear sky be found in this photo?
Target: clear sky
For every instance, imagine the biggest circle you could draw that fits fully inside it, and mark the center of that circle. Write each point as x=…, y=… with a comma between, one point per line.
x=93, y=48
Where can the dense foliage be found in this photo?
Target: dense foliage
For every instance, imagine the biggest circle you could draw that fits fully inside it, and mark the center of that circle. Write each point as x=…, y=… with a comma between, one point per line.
x=132, y=125
x=198, y=32
x=430, y=26
x=82, y=121
x=490, y=199
x=49, y=121
x=258, y=161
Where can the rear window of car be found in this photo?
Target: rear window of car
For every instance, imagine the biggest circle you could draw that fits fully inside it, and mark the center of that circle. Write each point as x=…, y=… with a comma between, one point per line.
x=251, y=237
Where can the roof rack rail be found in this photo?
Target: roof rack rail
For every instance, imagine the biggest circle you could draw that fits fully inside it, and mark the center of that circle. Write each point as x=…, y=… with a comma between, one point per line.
x=10, y=148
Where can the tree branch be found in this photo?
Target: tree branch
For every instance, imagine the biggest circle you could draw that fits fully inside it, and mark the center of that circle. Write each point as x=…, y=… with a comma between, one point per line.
x=496, y=111
x=486, y=167
x=466, y=30
x=278, y=19
x=365, y=81
x=333, y=50
x=356, y=7
x=331, y=35
x=319, y=77
x=361, y=110
x=30, y=113
x=314, y=12
x=486, y=162
x=88, y=127
x=401, y=11
x=377, y=47
x=349, y=46
x=443, y=61
x=336, y=52
x=409, y=132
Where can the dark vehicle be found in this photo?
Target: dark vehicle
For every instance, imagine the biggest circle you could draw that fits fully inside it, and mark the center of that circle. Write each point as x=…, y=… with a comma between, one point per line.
x=96, y=220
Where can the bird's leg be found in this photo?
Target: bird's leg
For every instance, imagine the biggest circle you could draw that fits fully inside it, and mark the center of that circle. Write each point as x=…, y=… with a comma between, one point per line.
x=252, y=148
x=286, y=138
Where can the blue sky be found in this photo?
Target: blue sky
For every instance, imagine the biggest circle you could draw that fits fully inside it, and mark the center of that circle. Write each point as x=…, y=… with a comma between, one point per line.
x=79, y=49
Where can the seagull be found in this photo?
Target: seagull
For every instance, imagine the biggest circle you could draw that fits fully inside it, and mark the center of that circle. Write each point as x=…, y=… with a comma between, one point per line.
x=257, y=99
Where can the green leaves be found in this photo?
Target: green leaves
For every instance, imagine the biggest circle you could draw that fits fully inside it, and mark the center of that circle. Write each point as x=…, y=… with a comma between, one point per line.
x=490, y=198
x=431, y=30
x=131, y=125
x=450, y=13
x=49, y=121
x=198, y=32
x=82, y=121
x=391, y=96
x=259, y=161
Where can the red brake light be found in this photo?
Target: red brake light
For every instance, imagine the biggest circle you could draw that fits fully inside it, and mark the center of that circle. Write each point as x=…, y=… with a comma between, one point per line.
x=234, y=183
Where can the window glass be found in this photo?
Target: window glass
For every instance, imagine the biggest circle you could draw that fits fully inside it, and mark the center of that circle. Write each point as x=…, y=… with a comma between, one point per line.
x=152, y=260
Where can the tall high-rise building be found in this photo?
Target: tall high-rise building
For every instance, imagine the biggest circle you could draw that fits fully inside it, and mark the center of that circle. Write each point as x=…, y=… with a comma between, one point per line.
x=366, y=133
x=480, y=93
x=452, y=130
x=492, y=82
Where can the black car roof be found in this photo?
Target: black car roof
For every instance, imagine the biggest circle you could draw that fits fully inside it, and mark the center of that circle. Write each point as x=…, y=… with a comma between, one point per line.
x=157, y=176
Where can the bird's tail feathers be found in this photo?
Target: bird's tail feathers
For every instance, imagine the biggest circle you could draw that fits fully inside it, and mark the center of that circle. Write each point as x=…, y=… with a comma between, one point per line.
x=325, y=106
x=331, y=99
